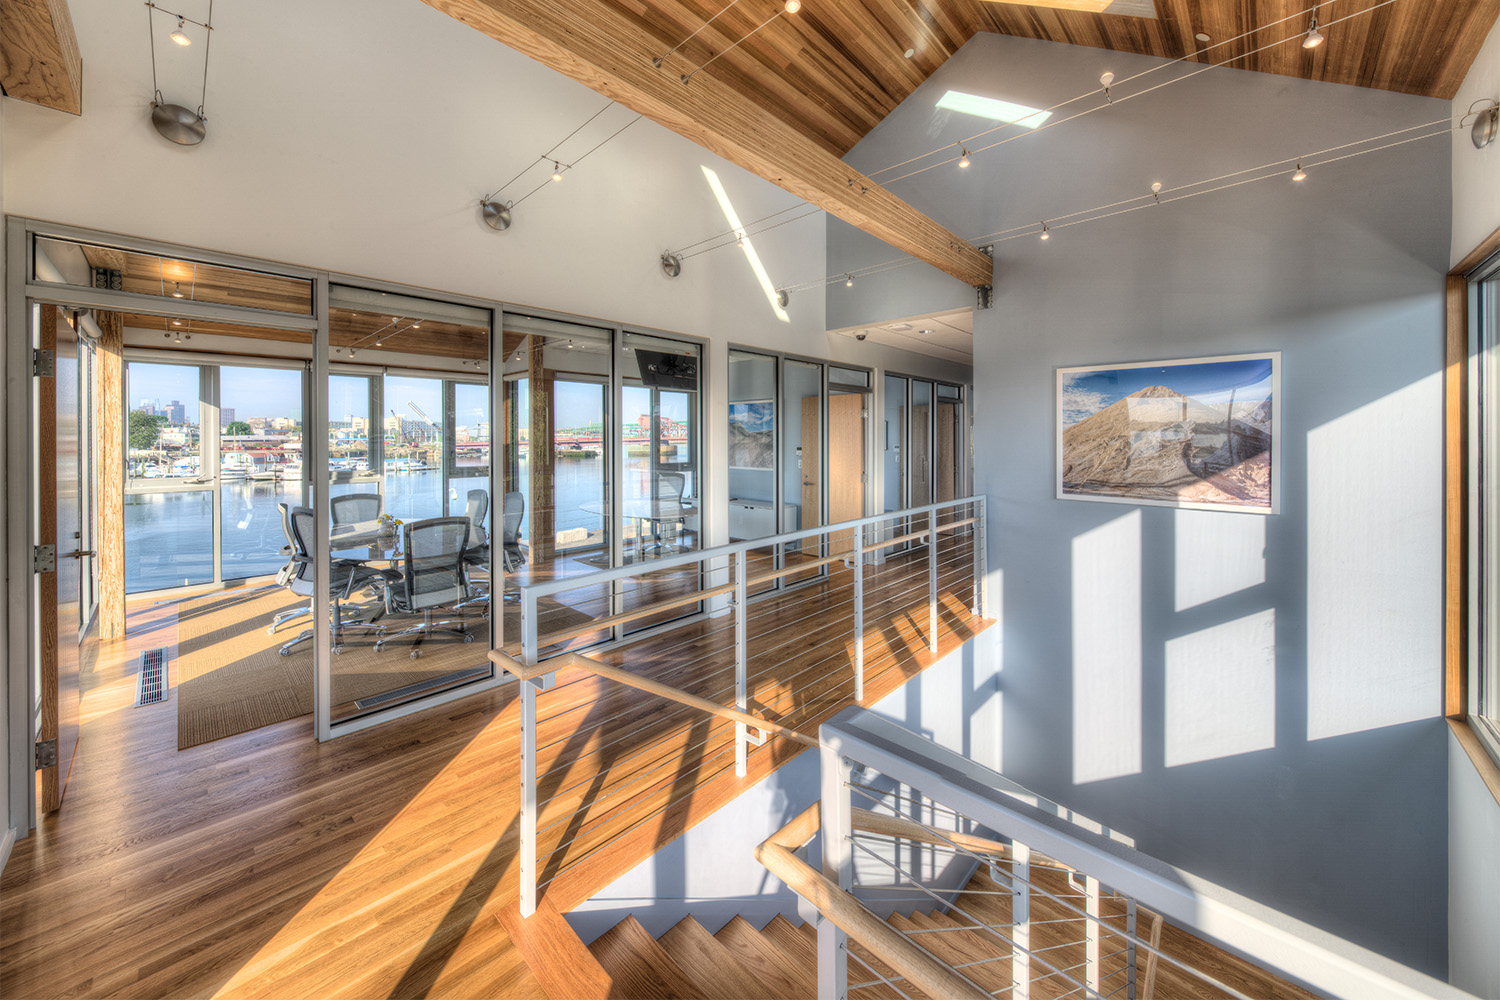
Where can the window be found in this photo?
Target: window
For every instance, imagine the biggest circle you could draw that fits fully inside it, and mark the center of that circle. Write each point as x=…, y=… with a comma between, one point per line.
x=1484, y=680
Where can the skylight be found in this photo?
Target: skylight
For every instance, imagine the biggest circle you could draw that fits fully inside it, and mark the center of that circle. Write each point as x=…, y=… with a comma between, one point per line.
x=988, y=107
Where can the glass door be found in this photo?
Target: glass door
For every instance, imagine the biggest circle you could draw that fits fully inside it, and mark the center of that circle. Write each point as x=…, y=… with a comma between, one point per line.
x=259, y=466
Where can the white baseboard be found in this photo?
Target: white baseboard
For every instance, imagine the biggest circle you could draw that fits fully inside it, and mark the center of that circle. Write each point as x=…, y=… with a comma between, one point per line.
x=6, y=843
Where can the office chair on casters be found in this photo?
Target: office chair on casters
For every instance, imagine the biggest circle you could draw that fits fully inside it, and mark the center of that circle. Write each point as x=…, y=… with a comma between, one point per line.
x=345, y=578
x=512, y=552
x=432, y=576
x=478, y=551
x=668, y=510
x=287, y=573
x=353, y=512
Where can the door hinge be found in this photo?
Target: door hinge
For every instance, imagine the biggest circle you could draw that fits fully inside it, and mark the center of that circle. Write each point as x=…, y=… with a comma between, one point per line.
x=46, y=753
x=43, y=363
x=44, y=558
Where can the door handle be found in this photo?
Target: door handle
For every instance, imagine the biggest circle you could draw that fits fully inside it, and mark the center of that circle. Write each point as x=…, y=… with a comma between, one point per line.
x=80, y=553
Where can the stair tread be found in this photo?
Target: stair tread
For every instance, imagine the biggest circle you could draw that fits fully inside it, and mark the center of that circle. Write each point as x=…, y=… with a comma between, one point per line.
x=715, y=969
x=767, y=962
x=781, y=933
x=958, y=947
x=640, y=967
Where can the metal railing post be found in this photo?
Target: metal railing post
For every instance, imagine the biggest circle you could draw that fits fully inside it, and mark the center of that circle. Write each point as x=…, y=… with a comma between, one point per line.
x=859, y=613
x=529, y=690
x=1130, y=952
x=932, y=607
x=838, y=860
x=1091, y=932
x=741, y=693
x=1020, y=916
x=979, y=559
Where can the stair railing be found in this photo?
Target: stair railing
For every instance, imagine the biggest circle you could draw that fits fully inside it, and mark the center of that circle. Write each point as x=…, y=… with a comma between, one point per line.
x=1023, y=833
x=727, y=585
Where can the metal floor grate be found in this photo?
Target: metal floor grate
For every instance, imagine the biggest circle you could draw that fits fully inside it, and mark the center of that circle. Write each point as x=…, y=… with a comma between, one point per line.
x=151, y=681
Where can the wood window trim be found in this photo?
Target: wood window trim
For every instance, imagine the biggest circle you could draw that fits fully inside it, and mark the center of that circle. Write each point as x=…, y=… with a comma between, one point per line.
x=1456, y=513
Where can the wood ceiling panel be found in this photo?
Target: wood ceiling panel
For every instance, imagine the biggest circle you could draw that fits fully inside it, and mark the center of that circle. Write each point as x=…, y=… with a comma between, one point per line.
x=39, y=57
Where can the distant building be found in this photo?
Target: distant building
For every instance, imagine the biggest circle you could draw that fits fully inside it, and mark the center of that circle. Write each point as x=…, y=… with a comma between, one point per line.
x=176, y=413
x=226, y=416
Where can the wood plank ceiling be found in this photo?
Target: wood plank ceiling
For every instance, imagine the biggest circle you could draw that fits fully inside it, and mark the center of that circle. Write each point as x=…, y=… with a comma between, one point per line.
x=836, y=68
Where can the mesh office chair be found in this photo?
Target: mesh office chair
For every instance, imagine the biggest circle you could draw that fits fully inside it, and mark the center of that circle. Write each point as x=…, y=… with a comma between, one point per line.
x=287, y=573
x=432, y=577
x=512, y=552
x=353, y=513
x=345, y=578
x=669, y=512
x=478, y=551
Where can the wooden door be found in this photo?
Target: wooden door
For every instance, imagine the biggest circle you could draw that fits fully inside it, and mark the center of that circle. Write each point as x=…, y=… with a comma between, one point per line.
x=812, y=462
x=66, y=633
x=846, y=464
x=946, y=465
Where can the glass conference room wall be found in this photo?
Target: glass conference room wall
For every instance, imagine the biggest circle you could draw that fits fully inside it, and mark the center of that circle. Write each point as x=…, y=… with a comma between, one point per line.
x=411, y=522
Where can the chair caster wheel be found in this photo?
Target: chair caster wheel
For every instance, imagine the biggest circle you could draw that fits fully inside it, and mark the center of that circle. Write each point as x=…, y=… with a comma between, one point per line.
x=271, y=630
x=416, y=654
x=468, y=637
x=285, y=652
x=338, y=649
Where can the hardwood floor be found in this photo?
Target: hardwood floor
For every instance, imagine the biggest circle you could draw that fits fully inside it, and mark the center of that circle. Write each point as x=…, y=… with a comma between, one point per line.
x=379, y=864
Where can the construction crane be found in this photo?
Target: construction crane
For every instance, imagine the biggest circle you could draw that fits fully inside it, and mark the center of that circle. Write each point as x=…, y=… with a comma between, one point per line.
x=418, y=411
x=405, y=438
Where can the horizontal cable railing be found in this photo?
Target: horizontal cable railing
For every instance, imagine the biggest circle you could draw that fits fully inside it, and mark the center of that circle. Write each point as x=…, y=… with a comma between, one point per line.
x=1056, y=906
x=741, y=647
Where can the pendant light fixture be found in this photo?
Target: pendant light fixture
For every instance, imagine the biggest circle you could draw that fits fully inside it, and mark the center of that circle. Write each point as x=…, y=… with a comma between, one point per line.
x=556, y=171
x=849, y=281
x=1046, y=233
x=173, y=121
x=1314, y=36
x=963, y=161
x=1300, y=175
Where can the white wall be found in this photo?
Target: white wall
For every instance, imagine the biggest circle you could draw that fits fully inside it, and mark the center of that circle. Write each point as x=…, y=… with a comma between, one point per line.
x=1276, y=719
x=1476, y=172
x=1473, y=813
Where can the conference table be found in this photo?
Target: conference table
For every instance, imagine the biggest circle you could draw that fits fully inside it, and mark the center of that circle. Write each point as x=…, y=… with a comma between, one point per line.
x=645, y=511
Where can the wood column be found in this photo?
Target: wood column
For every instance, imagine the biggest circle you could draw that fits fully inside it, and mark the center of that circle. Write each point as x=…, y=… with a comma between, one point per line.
x=109, y=415
x=542, y=460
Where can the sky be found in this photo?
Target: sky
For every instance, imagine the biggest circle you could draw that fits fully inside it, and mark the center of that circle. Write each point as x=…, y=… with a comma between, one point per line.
x=1086, y=393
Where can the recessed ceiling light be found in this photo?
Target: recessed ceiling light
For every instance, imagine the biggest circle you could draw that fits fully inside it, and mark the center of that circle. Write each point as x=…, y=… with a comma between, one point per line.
x=928, y=331
x=909, y=53
x=1202, y=37
x=995, y=110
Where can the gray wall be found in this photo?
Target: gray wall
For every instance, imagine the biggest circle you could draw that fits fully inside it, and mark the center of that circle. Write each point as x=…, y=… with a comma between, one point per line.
x=1255, y=699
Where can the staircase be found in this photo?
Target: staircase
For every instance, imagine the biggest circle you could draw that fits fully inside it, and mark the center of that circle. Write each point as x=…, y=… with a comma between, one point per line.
x=779, y=961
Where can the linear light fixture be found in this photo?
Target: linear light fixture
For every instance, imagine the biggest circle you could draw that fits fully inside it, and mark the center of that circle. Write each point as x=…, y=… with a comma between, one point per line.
x=994, y=110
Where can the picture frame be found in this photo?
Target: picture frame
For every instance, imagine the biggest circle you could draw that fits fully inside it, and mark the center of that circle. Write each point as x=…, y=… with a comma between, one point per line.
x=752, y=434
x=1195, y=433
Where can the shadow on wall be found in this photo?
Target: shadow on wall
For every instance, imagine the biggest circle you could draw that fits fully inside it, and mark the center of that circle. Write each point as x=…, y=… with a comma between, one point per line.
x=1257, y=698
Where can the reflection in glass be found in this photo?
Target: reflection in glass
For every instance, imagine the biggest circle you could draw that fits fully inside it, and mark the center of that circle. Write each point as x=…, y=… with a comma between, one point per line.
x=169, y=540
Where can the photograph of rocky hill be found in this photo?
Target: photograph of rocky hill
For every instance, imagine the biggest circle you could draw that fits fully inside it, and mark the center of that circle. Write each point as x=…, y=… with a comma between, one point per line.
x=1197, y=433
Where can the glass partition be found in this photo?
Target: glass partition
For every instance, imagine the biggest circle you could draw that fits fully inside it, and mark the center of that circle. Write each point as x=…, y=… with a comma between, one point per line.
x=919, y=466
x=948, y=437
x=260, y=466
x=409, y=548
x=802, y=453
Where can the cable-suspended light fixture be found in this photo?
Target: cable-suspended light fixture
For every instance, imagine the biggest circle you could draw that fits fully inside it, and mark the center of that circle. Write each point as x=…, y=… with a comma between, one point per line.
x=1300, y=175
x=963, y=161
x=848, y=281
x=175, y=122
x=1314, y=36
x=1046, y=234
x=556, y=170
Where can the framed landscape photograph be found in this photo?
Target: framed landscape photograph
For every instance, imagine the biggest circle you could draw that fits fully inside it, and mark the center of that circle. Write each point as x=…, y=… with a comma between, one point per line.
x=752, y=434
x=1199, y=433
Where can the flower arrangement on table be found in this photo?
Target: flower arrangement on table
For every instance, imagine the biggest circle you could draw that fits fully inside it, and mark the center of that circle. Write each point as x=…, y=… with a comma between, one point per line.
x=387, y=524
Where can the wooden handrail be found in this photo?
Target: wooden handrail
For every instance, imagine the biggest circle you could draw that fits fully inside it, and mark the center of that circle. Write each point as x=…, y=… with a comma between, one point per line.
x=578, y=661
x=897, y=950
x=907, y=958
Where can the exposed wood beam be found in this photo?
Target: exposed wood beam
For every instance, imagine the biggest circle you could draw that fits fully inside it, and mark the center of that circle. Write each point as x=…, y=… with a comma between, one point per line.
x=39, y=58
x=595, y=45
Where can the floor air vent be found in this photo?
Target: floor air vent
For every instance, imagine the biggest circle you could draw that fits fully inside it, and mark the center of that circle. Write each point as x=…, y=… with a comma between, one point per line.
x=151, y=681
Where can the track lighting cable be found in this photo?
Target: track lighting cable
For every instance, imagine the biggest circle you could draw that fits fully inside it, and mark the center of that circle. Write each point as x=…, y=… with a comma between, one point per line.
x=661, y=58
x=1182, y=192
x=790, y=7
x=570, y=166
x=747, y=233
x=1120, y=100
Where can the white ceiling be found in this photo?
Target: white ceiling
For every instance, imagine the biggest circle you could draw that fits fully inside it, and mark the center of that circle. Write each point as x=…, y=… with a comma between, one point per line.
x=946, y=335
